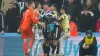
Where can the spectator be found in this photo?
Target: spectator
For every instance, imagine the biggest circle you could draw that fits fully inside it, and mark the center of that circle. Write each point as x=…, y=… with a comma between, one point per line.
x=89, y=6
x=94, y=2
x=97, y=28
x=11, y=18
x=17, y=11
x=86, y=20
x=88, y=46
x=98, y=11
x=71, y=9
x=73, y=27
x=21, y=5
x=5, y=5
x=79, y=6
x=1, y=22
x=16, y=7
x=23, y=10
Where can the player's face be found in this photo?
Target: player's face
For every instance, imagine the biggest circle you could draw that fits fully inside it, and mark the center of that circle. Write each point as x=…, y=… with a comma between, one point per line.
x=33, y=5
x=39, y=6
x=52, y=8
x=46, y=7
x=62, y=11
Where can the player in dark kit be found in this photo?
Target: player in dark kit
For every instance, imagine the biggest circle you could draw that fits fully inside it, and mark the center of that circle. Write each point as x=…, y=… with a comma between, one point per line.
x=56, y=32
x=51, y=30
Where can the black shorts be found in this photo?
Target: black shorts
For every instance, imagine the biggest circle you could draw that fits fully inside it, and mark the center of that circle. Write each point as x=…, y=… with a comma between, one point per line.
x=47, y=35
x=56, y=32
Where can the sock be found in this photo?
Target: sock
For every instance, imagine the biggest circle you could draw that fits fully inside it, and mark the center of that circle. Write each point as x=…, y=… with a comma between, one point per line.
x=46, y=49
x=30, y=43
x=57, y=52
x=28, y=50
x=53, y=49
x=25, y=48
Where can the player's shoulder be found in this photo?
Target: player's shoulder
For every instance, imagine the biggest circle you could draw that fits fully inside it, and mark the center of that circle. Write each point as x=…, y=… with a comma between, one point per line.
x=27, y=11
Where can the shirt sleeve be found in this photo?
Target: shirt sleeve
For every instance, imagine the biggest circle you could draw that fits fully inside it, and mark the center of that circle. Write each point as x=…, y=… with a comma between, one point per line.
x=35, y=17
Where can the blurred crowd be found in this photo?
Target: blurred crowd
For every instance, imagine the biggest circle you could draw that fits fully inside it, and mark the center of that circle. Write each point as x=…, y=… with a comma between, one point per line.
x=84, y=13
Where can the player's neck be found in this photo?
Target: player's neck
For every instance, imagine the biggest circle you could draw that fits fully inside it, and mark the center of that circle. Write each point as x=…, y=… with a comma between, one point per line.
x=30, y=7
x=37, y=9
x=47, y=10
x=63, y=13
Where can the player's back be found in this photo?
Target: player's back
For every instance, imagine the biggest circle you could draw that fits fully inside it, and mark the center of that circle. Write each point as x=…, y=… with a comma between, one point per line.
x=26, y=21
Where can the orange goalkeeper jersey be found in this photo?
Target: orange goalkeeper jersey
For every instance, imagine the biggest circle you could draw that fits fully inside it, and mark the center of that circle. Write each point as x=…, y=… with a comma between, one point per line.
x=29, y=17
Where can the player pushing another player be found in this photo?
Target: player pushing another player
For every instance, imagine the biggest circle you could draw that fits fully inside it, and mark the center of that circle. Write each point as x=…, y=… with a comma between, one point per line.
x=31, y=16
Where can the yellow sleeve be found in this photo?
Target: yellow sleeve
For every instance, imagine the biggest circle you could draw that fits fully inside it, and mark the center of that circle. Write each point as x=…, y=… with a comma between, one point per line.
x=62, y=16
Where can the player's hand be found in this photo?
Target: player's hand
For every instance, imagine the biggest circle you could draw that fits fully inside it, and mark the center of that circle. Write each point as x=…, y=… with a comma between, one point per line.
x=85, y=47
x=41, y=23
x=59, y=18
x=19, y=30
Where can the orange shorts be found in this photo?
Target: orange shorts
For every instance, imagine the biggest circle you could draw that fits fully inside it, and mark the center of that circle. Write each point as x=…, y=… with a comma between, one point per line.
x=26, y=33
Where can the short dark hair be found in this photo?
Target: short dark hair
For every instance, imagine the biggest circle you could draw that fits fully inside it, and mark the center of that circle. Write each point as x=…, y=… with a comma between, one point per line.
x=30, y=2
x=54, y=5
x=63, y=8
x=36, y=4
x=47, y=4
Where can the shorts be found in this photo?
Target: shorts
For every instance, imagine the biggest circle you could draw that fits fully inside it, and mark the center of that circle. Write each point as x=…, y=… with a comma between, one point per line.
x=47, y=35
x=26, y=33
x=56, y=32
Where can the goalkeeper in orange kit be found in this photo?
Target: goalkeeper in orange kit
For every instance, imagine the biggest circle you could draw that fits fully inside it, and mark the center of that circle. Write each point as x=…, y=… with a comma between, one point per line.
x=31, y=16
